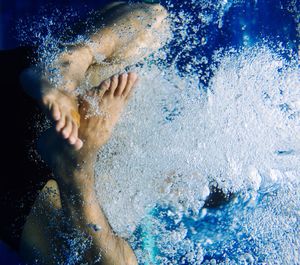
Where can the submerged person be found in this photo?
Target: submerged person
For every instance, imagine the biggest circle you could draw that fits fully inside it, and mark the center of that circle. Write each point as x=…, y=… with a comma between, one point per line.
x=127, y=37
x=74, y=191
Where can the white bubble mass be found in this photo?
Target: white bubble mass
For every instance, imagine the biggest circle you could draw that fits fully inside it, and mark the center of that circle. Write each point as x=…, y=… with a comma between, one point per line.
x=174, y=140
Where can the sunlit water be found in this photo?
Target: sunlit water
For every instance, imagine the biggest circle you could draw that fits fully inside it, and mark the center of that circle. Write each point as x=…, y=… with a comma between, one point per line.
x=231, y=119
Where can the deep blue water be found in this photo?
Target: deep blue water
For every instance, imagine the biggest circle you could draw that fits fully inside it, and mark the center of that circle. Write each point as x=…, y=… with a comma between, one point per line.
x=263, y=19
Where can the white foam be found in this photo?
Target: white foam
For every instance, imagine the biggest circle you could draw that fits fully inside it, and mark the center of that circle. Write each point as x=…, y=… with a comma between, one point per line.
x=237, y=135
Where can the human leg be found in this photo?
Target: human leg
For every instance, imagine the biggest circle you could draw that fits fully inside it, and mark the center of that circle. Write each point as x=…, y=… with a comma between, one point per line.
x=127, y=34
x=75, y=179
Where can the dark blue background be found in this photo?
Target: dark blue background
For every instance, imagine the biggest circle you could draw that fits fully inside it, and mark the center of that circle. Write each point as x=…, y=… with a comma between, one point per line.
x=263, y=18
x=12, y=11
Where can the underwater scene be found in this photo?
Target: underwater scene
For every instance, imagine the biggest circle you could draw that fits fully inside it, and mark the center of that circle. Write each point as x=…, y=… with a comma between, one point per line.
x=204, y=165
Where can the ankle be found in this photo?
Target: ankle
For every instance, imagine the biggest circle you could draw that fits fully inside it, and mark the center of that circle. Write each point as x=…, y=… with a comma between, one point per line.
x=76, y=172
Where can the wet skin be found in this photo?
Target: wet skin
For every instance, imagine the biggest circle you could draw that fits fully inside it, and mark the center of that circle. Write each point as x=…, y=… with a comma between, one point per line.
x=74, y=173
x=70, y=147
x=132, y=33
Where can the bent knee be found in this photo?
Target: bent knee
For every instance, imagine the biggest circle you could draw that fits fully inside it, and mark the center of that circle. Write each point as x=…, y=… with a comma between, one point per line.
x=158, y=17
x=157, y=11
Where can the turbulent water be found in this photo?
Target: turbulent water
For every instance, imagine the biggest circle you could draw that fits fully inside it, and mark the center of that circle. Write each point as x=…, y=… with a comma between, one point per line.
x=173, y=141
x=231, y=119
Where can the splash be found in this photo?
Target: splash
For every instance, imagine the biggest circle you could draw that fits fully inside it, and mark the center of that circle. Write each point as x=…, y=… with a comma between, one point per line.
x=175, y=140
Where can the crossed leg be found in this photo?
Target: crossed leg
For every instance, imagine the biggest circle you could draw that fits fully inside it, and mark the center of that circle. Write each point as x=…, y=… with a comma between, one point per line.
x=71, y=199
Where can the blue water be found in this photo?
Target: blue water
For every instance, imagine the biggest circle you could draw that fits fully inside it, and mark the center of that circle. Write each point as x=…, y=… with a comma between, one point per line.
x=222, y=234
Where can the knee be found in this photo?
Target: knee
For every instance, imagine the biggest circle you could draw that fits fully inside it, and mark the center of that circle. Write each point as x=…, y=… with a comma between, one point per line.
x=162, y=11
x=158, y=12
x=157, y=18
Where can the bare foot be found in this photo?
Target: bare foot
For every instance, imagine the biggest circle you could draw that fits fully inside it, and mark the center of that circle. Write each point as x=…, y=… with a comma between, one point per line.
x=59, y=101
x=74, y=169
x=63, y=108
x=112, y=97
x=95, y=130
x=60, y=105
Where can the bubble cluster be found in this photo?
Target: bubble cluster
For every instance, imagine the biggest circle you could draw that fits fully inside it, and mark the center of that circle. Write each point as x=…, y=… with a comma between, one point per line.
x=174, y=140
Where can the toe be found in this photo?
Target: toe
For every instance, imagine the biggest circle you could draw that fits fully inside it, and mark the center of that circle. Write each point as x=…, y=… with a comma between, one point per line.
x=78, y=144
x=67, y=129
x=121, y=84
x=61, y=123
x=105, y=85
x=113, y=84
x=55, y=112
x=104, y=88
x=74, y=134
x=131, y=80
x=45, y=101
